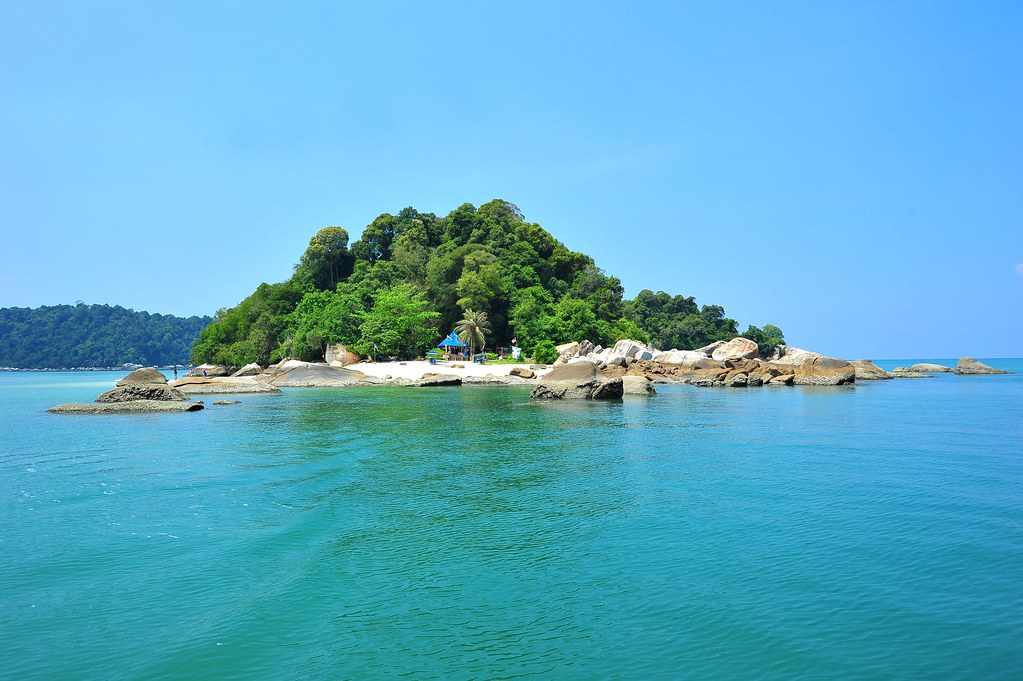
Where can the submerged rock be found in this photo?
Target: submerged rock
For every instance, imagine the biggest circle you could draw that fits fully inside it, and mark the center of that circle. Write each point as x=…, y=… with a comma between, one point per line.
x=132, y=407
x=437, y=381
x=226, y=402
x=927, y=368
x=579, y=380
x=970, y=366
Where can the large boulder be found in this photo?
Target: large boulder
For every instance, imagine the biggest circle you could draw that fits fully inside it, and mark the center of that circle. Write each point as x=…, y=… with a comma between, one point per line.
x=796, y=356
x=868, y=371
x=737, y=348
x=926, y=368
x=522, y=372
x=708, y=350
x=154, y=392
x=567, y=350
x=683, y=358
x=296, y=374
x=437, y=381
x=579, y=380
x=143, y=375
x=824, y=371
x=248, y=370
x=968, y=366
x=637, y=385
x=210, y=370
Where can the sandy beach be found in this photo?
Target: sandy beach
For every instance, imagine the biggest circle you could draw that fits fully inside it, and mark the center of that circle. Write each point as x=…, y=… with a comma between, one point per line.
x=415, y=370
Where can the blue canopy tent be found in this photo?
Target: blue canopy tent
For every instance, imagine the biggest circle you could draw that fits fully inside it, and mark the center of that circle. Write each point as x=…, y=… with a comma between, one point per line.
x=451, y=342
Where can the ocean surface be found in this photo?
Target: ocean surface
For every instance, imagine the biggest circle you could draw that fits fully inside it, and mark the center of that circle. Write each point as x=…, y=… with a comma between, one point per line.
x=864, y=532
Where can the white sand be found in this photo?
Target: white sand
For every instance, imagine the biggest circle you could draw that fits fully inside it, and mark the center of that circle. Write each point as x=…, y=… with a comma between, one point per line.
x=415, y=370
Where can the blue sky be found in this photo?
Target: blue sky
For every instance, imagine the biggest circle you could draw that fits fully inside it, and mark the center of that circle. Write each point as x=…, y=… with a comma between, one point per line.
x=851, y=172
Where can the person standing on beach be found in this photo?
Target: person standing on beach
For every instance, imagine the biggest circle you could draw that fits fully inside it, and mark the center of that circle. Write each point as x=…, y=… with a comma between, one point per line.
x=175, y=372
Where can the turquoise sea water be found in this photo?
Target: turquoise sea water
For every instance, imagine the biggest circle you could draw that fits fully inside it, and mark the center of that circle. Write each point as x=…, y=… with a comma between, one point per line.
x=873, y=531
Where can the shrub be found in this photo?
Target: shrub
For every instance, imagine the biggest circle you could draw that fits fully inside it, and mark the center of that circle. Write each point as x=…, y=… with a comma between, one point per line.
x=545, y=352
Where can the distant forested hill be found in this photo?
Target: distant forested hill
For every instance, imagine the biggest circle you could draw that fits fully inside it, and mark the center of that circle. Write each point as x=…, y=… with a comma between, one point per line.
x=64, y=336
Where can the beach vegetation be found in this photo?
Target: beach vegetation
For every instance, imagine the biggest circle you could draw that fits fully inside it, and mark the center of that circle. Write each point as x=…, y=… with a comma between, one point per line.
x=473, y=329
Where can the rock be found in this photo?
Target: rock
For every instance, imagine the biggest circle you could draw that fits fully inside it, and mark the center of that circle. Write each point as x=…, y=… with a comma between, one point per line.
x=824, y=371
x=926, y=368
x=437, y=381
x=969, y=366
x=157, y=392
x=247, y=370
x=679, y=357
x=567, y=350
x=585, y=348
x=522, y=372
x=295, y=374
x=781, y=379
x=708, y=350
x=796, y=356
x=580, y=380
x=132, y=407
x=868, y=371
x=225, y=402
x=143, y=375
x=211, y=370
x=906, y=373
x=225, y=386
x=737, y=348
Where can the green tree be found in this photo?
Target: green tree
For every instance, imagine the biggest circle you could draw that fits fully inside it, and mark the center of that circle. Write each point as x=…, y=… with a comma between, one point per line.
x=399, y=321
x=326, y=261
x=473, y=329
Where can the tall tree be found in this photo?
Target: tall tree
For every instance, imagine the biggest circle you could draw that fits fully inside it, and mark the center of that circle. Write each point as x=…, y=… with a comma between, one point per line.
x=326, y=261
x=473, y=329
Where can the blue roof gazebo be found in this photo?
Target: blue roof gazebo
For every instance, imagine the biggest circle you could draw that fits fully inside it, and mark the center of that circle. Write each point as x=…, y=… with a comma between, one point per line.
x=451, y=342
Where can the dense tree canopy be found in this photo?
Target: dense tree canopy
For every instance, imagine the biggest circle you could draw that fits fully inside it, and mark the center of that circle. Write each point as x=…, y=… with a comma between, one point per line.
x=411, y=277
x=65, y=336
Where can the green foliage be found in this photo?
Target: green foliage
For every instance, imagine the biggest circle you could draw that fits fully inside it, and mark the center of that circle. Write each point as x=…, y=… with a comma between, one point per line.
x=398, y=323
x=767, y=339
x=326, y=261
x=488, y=259
x=544, y=352
x=65, y=336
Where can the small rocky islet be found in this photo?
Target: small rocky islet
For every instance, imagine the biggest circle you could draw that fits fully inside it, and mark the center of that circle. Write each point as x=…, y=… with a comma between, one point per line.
x=582, y=371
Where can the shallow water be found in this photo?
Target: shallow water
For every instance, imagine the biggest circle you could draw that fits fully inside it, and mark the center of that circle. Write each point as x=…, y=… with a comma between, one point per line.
x=873, y=531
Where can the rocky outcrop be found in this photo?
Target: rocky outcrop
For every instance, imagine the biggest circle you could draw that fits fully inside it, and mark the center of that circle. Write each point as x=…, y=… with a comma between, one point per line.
x=143, y=376
x=248, y=370
x=579, y=380
x=131, y=392
x=737, y=348
x=868, y=371
x=296, y=374
x=903, y=372
x=637, y=385
x=132, y=407
x=968, y=366
x=437, y=381
x=708, y=350
x=796, y=356
x=926, y=368
x=522, y=372
x=225, y=386
x=824, y=371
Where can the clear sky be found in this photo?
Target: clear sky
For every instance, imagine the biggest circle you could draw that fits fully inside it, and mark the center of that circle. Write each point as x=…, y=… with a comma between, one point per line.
x=849, y=171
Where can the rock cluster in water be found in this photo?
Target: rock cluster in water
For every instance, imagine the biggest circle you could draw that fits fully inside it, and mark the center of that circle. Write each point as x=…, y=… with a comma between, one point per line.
x=731, y=363
x=143, y=391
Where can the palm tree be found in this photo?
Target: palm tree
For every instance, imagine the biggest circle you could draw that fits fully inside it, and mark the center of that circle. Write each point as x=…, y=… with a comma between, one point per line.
x=472, y=329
